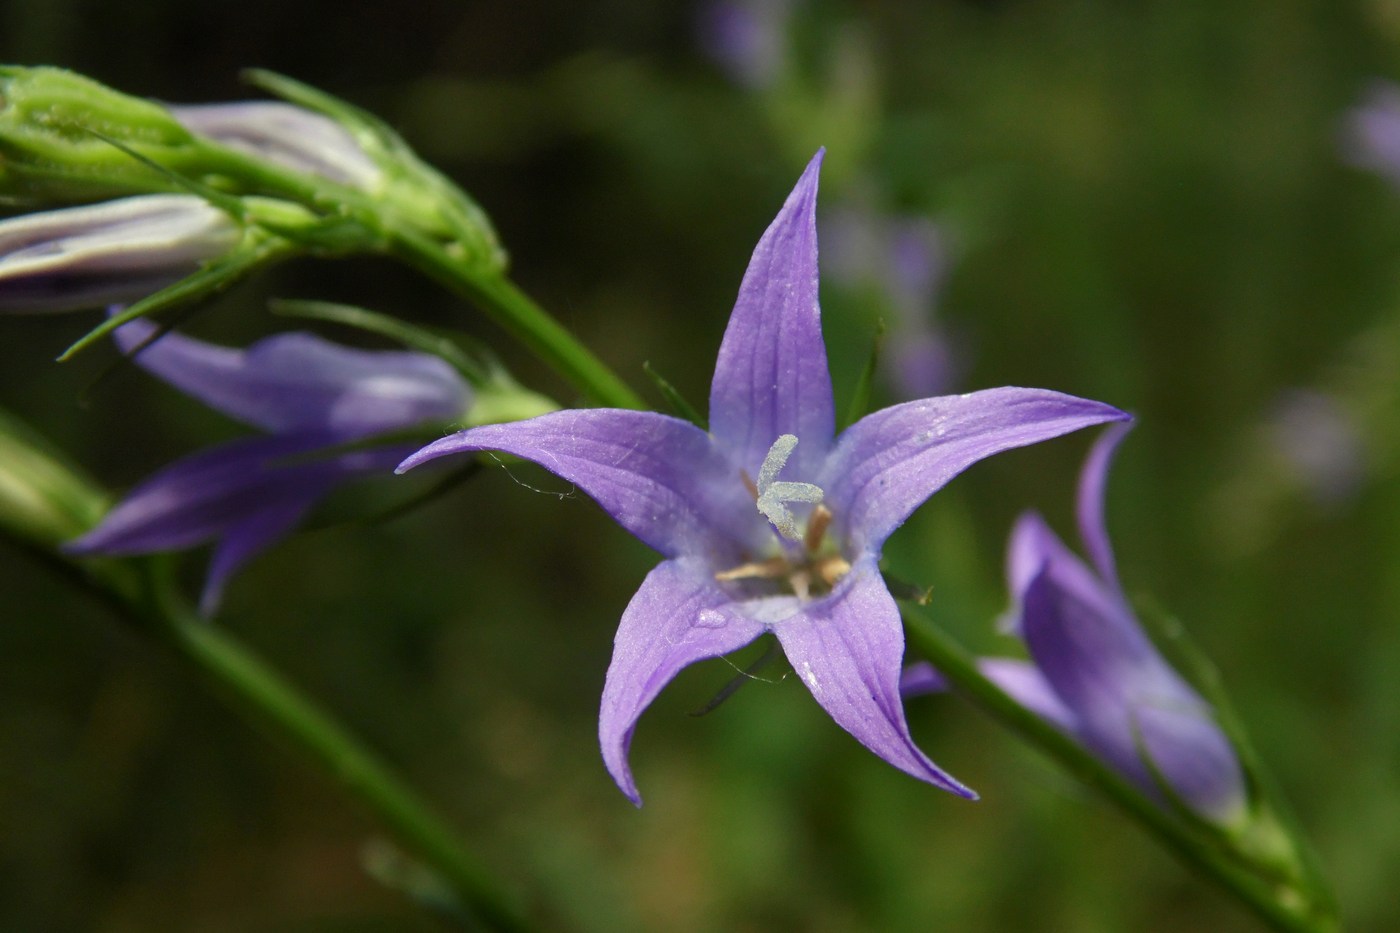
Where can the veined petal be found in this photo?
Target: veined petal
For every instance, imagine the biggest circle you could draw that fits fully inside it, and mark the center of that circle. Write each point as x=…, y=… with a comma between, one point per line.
x=661, y=478
x=848, y=650
x=677, y=617
x=885, y=465
x=299, y=382
x=1089, y=506
x=771, y=377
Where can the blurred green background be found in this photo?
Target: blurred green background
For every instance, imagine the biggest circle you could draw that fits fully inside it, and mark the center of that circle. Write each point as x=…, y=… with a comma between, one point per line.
x=1146, y=205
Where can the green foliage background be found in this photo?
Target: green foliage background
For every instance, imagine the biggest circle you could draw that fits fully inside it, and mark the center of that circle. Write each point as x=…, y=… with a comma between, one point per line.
x=1149, y=208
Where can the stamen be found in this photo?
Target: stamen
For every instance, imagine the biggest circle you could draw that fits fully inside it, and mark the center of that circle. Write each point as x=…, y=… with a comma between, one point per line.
x=801, y=583
x=832, y=569
x=816, y=528
x=771, y=569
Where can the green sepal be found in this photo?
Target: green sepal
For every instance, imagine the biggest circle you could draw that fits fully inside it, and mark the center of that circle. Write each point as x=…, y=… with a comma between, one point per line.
x=425, y=198
x=56, y=129
x=201, y=285
x=678, y=403
x=865, y=382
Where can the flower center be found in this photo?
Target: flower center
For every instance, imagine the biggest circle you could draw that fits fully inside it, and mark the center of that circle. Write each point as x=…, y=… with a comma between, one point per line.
x=817, y=567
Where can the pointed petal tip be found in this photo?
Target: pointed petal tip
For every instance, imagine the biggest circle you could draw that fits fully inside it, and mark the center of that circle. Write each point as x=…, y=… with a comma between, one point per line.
x=438, y=448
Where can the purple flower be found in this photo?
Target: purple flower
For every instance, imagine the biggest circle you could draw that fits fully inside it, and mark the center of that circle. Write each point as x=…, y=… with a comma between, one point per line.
x=1320, y=444
x=117, y=251
x=309, y=395
x=768, y=522
x=747, y=38
x=1094, y=673
x=1370, y=132
x=905, y=258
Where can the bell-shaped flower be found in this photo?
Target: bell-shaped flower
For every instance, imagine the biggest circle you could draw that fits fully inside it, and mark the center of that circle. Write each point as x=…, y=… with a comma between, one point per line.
x=115, y=252
x=1094, y=673
x=314, y=399
x=769, y=522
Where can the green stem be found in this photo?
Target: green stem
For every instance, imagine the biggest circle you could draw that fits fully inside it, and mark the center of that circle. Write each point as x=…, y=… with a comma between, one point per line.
x=248, y=683
x=518, y=314
x=44, y=502
x=1280, y=905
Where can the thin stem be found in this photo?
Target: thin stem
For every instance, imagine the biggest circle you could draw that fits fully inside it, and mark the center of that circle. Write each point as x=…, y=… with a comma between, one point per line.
x=247, y=682
x=515, y=311
x=43, y=502
x=1281, y=906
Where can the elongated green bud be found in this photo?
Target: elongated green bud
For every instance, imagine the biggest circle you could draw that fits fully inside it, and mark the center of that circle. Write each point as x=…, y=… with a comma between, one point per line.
x=57, y=136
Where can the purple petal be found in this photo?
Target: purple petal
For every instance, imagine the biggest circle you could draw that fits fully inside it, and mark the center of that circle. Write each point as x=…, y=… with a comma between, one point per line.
x=771, y=376
x=1093, y=481
x=677, y=617
x=1018, y=679
x=245, y=539
x=661, y=478
x=249, y=493
x=298, y=382
x=848, y=650
x=1194, y=757
x=1025, y=684
x=197, y=497
x=885, y=465
x=920, y=678
x=1103, y=668
x=1032, y=543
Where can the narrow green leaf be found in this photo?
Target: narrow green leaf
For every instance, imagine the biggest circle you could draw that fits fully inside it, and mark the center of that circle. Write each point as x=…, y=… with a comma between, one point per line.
x=678, y=403
x=860, y=398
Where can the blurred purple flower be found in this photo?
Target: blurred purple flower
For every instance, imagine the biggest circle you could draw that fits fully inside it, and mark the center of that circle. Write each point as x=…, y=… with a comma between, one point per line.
x=309, y=395
x=1370, y=133
x=115, y=252
x=906, y=259
x=1093, y=672
x=749, y=552
x=1320, y=443
x=286, y=135
x=746, y=38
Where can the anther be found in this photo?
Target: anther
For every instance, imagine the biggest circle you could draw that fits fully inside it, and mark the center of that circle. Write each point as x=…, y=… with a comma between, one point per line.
x=770, y=569
x=816, y=528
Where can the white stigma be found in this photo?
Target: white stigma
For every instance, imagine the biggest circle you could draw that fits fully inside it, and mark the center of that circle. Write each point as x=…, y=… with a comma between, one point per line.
x=773, y=496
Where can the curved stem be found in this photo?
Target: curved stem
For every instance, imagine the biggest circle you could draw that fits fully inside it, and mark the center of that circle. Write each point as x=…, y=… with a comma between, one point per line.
x=234, y=671
x=1279, y=904
x=525, y=320
x=43, y=503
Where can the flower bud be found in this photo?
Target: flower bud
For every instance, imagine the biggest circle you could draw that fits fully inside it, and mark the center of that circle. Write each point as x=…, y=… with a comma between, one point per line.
x=286, y=135
x=61, y=133
x=114, y=252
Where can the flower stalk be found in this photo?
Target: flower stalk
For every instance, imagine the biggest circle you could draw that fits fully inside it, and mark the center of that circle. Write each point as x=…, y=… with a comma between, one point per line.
x=43, y=502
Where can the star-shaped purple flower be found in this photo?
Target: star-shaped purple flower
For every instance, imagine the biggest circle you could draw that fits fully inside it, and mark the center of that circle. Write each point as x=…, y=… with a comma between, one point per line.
x=1093, y=672
x=309, y=395
x=769, y=522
